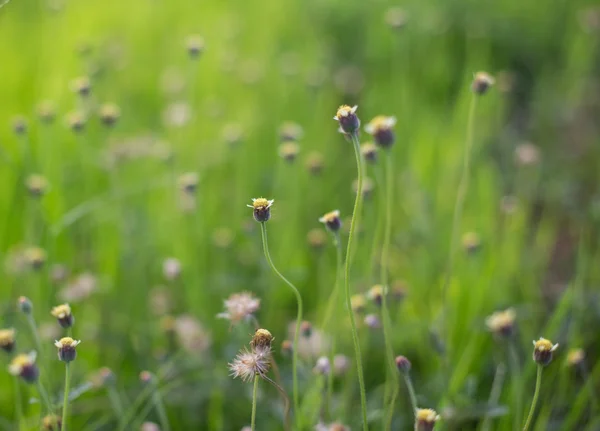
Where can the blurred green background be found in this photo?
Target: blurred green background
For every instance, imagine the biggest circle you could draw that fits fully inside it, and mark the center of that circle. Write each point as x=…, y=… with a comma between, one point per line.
x=114, y=209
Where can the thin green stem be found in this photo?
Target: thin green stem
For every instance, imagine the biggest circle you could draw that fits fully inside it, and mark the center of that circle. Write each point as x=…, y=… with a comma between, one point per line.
x=536, y=394
x=44, y=396
x=296, y=330
x=286, y=402
x=18, y=406
x=356, y=341
x=160, y=409
x=254, y=393
x=494, y=395
x=329, y=393
x=332, y=301
x=515, y=369
x=65, y=412
x=461, y=195
x=34, y=332
x=411, y=393
x=115, y=401
x=593, y=396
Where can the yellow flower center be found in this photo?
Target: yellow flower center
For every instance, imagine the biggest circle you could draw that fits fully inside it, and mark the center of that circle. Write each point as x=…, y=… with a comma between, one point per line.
x=427, y=415
x=260, y=203
x=543, y=345
x=344, y=111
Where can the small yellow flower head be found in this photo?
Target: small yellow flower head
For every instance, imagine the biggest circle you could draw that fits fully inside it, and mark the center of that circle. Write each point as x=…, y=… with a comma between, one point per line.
x=502, y=323
x=82, y=86
x=332, y=221
x=188, y=182
x=262, y=209
x=314, y=163
x=382, y=130
x=51, y=423
x=471, y=242
x=358, y=303
x=46, y=111
x=35, y=257
x=19, y=125
x=261, y=340
x=542, y=351
x=76, y=121
x=349, y=122
x=195, y=46
x=316, y=238
x=24, y=366
x=25, y=305
x=403, y=364
x=109, y=114
x=288, y=151
x=369, y=152
x=426, y=419
x=7, y=340
x=36, y=185
x=376, y=293
x=290, y=131
x=575, y=357
x=66, y=349
x=63, y=315
x=482, y=81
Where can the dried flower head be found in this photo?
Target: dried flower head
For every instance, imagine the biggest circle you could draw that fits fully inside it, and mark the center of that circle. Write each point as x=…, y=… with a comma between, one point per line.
x=575, y=357
x=195, y=45
x=262, y=209
x=109, y=114
x=332, y=220
x=346, y=116
x=24, y=366
x=290, y=131
x=25, y=305
x=76, y=121
x=52, y=423
x=543, y=350
x=403, y=364
x=66, y=349
x=425, y=419
x=471, y=242
x=322, y=366
x=81, y=86
x=188, y=182
x=482, y=81
x=396, y=18
x=261, y=340
x=502, y=323
x=46, y=111
x=240, y=306
x=314, y=163
x=63, y=315
x=358, y=303
x=382, y=130
x=36, y=185
x=7, y=340
x=289, y=150
x=191, y=335
x=369, y=152
x=250, y=363
x=35, y=257
x=171, y=268
x=19, y=125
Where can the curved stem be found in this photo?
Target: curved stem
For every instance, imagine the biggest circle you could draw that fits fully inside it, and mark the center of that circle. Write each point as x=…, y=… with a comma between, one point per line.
x=536, y=394
x=411, y=393
x=356, y=341
x=297, y=415
x=463, y=187
x=254, y=392
x=65, y=412
x=286, y=402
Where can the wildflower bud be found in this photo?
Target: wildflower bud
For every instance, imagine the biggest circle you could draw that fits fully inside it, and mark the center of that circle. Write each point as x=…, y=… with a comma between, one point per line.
x=7, y=340
x=19, y=125
x=426, y=419
x=502, y=323
x=286, y=347
x=63, y=315
x=396, y=18
x=372, y=321
x=109, y=114
x=341, y=364
x=261, y=340
x=188, y=182
x=322, y=366
x=527, y=154
x=76, y=121
x=575, y=357
x=376, y=293
x=369, y=152
x=381, y=128
x=316, y=238
x=471, y=242
x=482, y=82
x=398, y=291
x=332, y=221
x=66, y=349
x=24, y=366
x=36, y=185
x=290, y=131
x=358, y=303
x=35, y=257
x=81, y=86
x=306, y=329
x=367, y=187
x=403, y=364
x=171, y=268
x=195, y=46
x=46, y=111
x=146, y=377
x=51, y=423
x=107, y=376
x=314, y=163
x=25, y=305
x=262, y=209
x=349, y=122
x=149, y=426
x=288, y=151
x=543, y=350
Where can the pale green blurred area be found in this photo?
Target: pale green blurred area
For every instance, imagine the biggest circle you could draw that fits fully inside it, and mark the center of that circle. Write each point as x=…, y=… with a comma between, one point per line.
x=266, y=63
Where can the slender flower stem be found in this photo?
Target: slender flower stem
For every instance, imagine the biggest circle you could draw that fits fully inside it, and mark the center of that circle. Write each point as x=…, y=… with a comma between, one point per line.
x=286, y=402
x=160, y=410
x=254, y=392
x=115, y=401
x=297, y=415
x=515, y=369
x=65, y=412
x=411, y=394
x=331, y=302
x=34, y=332
x=18, y=406
x=44, y=396
x=461, y=195
x=355, y=215
x=536, y=394
x=494, y=394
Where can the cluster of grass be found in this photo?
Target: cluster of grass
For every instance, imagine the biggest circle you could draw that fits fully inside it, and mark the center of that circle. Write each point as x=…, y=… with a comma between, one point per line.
x=133, y=135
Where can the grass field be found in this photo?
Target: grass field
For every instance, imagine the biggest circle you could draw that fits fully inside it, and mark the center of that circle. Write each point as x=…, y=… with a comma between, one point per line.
x=133, y=135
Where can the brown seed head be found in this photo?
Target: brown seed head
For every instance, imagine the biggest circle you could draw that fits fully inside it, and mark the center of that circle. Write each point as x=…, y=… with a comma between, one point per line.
x=482, y=81
x=36, y=185
x=262, y=209
x=109, y=114
x=543, y=350
x=425, y=419
x=382, y=130
x=369, y=152
x=66, y=349
x=332, y=220
x=288, y=151
x=502, y=323
x=261, y=340
x=349, y=122
x=7, y=340
x=195, y=46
